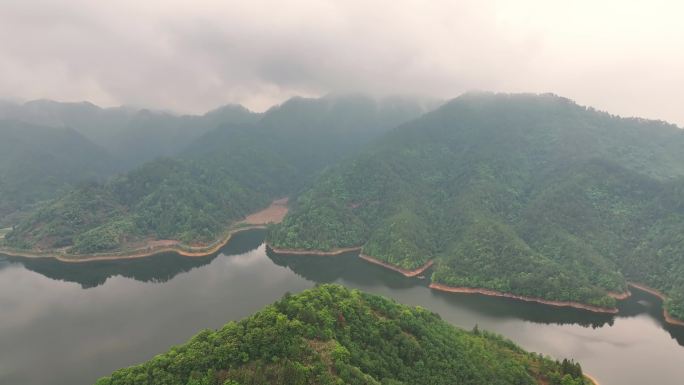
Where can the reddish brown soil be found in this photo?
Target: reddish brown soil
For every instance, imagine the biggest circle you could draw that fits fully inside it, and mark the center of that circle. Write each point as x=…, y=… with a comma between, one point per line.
x=668, y=318
x=272, y=214
x=494, y=293
x=405, y=272
x=323, y=253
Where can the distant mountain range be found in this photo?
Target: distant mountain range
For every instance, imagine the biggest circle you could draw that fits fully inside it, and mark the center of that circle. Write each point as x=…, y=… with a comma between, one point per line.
x=216, y=178
x=131, y=135
x=48, y=147
x=39, y=163
x=526, y=195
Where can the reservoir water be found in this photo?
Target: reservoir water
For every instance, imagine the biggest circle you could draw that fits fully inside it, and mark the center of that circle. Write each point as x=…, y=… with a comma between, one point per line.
x=66, y=323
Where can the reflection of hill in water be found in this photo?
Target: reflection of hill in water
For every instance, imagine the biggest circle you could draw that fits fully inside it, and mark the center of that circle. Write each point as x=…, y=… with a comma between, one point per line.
x=642, y=302
x=348, y=267
x=497, y=307
x=157, y=268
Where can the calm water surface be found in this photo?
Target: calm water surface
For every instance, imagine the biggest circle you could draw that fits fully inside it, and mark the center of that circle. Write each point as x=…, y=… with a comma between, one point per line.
x=72, y=323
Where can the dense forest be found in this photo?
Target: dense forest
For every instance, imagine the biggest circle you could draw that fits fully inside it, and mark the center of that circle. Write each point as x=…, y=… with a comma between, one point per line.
x=527, y=194
x=49, y=147
x=38, y=162
x=332, y=335
x=218, y=178
x=131, y=135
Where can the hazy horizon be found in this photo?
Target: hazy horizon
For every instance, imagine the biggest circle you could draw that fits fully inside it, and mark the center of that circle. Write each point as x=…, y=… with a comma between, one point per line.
x=623, y=58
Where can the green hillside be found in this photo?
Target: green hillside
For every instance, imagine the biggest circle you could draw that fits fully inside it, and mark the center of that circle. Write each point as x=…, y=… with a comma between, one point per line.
x=37, y=163
x=132, y=135
x=222, y=176
x=526, y=194
x=331, y=335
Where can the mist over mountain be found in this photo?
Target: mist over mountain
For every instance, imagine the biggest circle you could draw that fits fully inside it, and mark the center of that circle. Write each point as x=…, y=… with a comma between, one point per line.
x=168, y=166
x=38, y=162
x=526, y=194
x=130, y=134
x=221, y=176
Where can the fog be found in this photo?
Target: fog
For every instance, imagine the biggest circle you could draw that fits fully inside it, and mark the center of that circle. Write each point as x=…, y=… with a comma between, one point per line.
x=624, y=57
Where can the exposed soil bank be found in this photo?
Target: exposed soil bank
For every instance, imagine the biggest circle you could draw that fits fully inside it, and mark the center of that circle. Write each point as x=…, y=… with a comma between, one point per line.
x=619, y=296
x=342, y=250
x=332, y=252
x=186, y=251
x=494, y=293
x=272, y=214
x=592, y=379
x=668, y=318
x=440, y=287
x=405, y=272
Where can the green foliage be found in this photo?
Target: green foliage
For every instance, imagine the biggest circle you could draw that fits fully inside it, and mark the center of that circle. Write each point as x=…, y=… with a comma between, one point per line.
x=331, y=335
x=526, y=194
x=403, y=240
x=131, y=135
x=37, y=163
x=165, y=199
x=103, y=238
x=58, y=222
x=219, y=178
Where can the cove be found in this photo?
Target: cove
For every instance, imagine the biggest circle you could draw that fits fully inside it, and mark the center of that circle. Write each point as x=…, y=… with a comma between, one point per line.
x=72, y=323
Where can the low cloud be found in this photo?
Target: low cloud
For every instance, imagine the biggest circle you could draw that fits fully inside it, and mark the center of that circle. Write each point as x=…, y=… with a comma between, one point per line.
x=192, y=56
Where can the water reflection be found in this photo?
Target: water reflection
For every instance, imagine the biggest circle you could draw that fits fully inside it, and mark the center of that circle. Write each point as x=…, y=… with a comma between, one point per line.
x=325, y=269
x=641, y=303
x=348, y=267
x=157, y=268
x=134, y=309
x=351, y=269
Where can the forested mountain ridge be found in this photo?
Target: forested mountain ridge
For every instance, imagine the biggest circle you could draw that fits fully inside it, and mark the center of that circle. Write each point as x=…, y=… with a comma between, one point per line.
x=130, y=134
x=332, y=335
x=222, y=176
x=38, y=162
x=532, y=195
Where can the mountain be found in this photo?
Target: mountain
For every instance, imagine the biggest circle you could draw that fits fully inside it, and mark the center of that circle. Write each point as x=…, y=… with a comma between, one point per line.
x=130, y=134
x=38, y=162
x=531, y=195
x=222, y=176
x=331, y=335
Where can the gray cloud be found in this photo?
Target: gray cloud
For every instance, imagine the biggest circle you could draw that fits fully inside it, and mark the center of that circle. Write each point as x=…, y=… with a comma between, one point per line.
x=625, y=57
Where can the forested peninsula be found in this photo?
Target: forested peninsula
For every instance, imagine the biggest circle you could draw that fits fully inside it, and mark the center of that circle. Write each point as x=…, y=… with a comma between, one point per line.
x=529, y=195
x=333, y=335
x=194, y=197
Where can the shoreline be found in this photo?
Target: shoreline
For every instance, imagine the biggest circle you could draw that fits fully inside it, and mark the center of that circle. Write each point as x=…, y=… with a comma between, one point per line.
x=322, y=253
x=591, y=379
x=668, y=318
x=274, y=213
x=451, y=289
x=494, y=293
x=183, y=250
x=620, y=296
x=367, y=258
x=400, y=270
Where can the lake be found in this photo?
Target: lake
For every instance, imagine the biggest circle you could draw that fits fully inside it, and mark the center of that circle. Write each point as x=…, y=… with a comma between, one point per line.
x=66, y=323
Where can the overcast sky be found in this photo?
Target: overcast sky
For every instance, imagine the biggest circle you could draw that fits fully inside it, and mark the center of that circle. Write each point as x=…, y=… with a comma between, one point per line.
x=624, y=56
